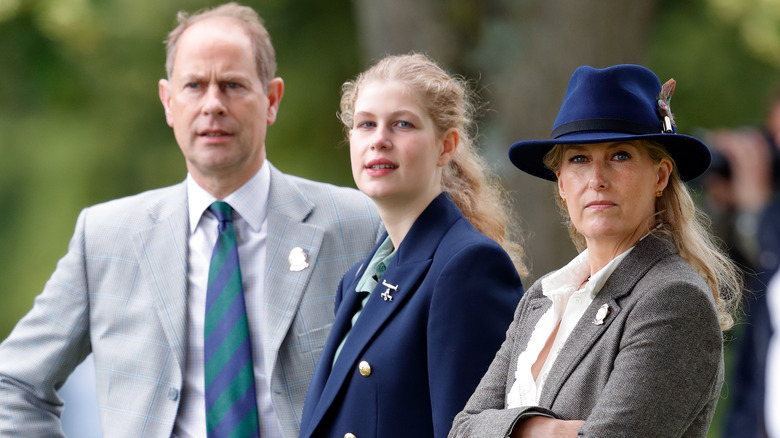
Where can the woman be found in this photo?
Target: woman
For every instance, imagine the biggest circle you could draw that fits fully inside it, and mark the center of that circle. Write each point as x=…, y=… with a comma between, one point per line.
x=403, y=359
x=626, y=339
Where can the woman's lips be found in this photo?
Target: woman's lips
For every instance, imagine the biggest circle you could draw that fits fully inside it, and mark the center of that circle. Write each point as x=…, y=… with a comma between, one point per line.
x=599, y=205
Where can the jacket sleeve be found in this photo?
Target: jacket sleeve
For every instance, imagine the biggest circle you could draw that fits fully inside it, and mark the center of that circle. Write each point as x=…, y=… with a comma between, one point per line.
x=472, y=305
x=484, y=415
x=45, y=347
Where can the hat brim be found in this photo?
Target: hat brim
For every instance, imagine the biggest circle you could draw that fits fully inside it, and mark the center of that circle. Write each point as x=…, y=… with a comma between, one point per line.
x=691, y=156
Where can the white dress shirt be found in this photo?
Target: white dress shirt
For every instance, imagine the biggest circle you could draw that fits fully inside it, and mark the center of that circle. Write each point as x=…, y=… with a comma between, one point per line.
x=569, y=303
x=250, y=209
x=772, y=372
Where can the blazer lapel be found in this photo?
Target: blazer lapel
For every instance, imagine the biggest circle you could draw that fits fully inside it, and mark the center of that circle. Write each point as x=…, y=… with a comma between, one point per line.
x=162, y=254
x=590, y=328
x=373, y=318
x=318, y=399
x=284, y=286
x=405, y=272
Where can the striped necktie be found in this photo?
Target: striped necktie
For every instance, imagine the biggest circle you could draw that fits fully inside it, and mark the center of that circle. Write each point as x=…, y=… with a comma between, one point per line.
x=231, y=405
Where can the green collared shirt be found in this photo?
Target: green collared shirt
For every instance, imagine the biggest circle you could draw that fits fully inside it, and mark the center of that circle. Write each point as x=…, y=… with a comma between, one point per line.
x=373, y=272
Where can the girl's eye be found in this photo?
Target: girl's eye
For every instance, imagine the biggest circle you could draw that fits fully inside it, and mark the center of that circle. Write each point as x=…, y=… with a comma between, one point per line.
x=403, y=124
x=366, y=124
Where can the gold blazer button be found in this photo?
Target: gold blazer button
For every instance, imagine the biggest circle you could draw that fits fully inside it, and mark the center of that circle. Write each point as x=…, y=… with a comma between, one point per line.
x=349, y=435
x=365, y=371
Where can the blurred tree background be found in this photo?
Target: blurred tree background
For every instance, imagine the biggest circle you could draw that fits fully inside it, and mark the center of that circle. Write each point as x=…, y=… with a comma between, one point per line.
x=81, y=123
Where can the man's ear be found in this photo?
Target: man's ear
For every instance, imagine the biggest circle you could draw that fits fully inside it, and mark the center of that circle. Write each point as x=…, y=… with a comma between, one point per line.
x=165, y=97
x=274, y=92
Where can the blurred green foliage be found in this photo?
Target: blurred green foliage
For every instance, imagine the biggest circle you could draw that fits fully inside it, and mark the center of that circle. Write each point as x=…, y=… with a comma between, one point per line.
x=721, y=80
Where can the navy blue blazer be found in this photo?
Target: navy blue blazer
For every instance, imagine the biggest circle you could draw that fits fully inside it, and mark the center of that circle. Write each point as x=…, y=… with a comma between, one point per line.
x=411, y=363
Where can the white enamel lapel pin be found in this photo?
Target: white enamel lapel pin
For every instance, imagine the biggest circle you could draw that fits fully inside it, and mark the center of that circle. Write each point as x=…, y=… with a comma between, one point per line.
x=298, y=259
x=601, y=314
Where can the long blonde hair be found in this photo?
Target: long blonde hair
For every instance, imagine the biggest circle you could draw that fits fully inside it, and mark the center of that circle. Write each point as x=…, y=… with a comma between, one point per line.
x=450, y=104
x=686, y=226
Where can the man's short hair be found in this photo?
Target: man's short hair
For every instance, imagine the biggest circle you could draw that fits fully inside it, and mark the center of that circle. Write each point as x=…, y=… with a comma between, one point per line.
x=265, y=57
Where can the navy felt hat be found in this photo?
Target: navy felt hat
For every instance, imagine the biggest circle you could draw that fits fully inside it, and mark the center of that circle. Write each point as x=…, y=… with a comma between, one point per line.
x=613, y=104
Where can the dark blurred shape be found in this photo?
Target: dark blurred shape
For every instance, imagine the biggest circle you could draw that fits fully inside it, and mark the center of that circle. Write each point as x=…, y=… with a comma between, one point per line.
x=741, y=188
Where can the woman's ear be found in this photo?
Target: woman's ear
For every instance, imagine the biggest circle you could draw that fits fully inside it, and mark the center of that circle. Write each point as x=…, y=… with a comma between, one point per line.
x=561, y=192
x=449, y=146
x=664, y=171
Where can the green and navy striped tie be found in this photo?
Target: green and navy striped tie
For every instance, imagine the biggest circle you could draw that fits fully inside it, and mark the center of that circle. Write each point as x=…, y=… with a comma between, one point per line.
x=231, y=405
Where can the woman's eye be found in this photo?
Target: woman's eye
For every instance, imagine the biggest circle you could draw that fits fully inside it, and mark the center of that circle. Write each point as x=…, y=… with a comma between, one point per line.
x=622, y=156
x=366, y=124
x=578, y=159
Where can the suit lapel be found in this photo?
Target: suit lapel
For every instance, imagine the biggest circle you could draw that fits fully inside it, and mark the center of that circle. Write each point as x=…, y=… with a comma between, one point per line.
x=590, y=328
x=406, y=271
x=287, y=212
x=372, y=319
x=323, y=387
x=162, y=254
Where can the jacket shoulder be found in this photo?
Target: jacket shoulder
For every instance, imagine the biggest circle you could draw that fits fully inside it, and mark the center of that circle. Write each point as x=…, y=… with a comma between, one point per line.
x=139, y=208
x=322, y=194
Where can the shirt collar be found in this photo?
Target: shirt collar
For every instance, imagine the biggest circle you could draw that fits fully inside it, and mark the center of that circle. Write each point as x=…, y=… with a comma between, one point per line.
x=568, y=279
x=250, y=201
x=376, y=267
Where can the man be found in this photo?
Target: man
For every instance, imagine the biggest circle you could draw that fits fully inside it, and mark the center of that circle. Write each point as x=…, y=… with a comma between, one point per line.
x=133, y=287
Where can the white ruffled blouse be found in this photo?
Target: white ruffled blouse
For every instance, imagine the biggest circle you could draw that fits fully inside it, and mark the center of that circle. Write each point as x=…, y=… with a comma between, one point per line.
x=568, y=306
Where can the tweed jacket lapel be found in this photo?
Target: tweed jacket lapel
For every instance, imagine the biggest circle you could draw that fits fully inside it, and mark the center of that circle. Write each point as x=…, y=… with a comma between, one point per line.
x=288, y=209
x=406, y=271
x=644, y=256
x=161, y=249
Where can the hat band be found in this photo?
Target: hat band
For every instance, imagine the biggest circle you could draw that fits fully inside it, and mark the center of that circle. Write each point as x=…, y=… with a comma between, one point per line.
x=604, y=125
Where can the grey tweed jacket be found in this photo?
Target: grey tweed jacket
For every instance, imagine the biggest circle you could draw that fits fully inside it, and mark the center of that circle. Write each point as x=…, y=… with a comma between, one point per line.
x=121, y=293
x=653, y=368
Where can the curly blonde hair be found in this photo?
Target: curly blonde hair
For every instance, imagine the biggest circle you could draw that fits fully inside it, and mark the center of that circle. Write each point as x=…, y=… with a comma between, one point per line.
x=685, y=225
x=449, y=101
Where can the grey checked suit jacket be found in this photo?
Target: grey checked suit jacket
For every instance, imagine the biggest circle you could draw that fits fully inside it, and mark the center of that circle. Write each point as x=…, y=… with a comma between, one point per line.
x=654, y=368
x=120, y=292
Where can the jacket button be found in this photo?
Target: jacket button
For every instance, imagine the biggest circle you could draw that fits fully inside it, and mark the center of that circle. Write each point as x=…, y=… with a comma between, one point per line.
x=349, y=435
x=365, y=371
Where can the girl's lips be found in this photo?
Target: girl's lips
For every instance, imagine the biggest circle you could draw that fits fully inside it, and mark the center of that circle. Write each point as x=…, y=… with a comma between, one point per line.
x=381, y=162
x=380, y=167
